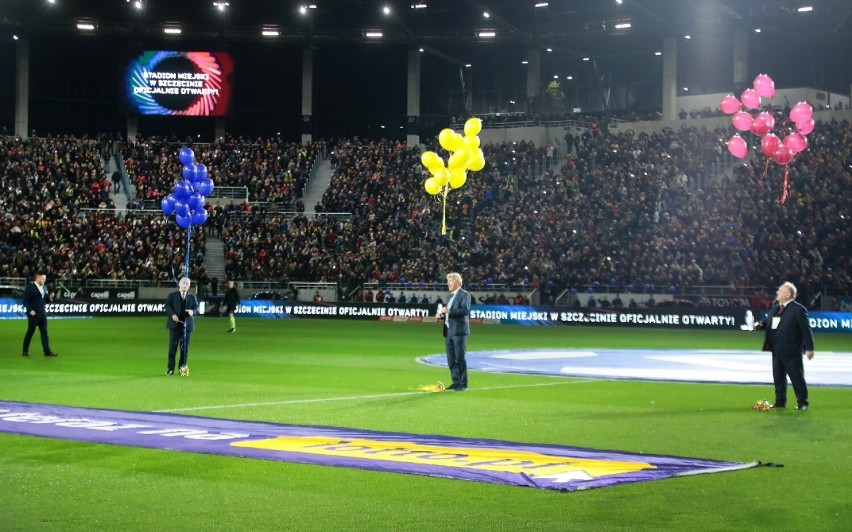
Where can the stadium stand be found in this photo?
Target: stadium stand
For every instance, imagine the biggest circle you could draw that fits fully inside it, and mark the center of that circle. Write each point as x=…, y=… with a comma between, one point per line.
x=623, y=209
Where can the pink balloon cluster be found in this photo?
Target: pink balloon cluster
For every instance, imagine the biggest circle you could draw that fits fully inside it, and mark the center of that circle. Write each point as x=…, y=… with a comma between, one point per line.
x=778, y=149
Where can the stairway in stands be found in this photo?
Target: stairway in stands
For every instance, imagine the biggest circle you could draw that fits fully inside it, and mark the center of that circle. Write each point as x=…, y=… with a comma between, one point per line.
x=318, y=185
x=214, y=259
x=118, y=198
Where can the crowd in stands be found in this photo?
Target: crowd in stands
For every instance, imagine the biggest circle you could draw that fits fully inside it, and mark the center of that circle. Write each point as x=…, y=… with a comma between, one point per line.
x=391, y=222
x=58, y=217
x=45, y=184
x=273, y=170
x=636, y=209
x=624, y=210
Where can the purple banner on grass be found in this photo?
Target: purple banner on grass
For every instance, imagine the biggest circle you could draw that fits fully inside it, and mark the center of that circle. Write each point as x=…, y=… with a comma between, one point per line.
x=497, y=462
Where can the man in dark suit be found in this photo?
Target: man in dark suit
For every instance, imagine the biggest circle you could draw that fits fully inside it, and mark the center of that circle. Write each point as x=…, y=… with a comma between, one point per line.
x=788, y=334
x=181, y=307
x=456, y=316
x=35, y=297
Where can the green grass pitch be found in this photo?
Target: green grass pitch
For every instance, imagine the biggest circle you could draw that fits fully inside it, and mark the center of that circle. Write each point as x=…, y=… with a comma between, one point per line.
x=353, y=374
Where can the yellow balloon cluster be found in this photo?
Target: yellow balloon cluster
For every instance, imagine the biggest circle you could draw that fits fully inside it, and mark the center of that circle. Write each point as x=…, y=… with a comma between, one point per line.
x=465, y=154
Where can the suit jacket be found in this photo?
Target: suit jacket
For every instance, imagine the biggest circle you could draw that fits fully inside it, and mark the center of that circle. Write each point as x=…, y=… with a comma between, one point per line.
x=34, y=299
x=459, y=315
x=793, y=335
x=173, y=307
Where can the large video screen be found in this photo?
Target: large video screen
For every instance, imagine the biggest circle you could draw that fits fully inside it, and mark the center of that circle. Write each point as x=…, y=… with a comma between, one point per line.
x=179, y=83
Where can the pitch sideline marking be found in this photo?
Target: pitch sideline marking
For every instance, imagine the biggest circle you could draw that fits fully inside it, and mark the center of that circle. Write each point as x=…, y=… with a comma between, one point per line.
x=361, y=397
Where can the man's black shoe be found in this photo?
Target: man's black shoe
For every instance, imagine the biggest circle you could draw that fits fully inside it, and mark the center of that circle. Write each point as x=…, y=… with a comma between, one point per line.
x=51, y=354
x=25, y=354
x=776, y=406
x=170, y=372
x=802, y=407
x=452, y=387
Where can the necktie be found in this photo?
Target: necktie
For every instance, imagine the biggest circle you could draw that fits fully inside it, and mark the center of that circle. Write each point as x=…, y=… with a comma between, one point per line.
x=781, y=309
x=449, y=305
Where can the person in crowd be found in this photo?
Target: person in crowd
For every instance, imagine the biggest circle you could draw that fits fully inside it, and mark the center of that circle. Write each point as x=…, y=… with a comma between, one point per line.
x=116, y=182
x=456, y=318
x=181, y=307
x=36, y=295
x=231, y=302
x=787, y=335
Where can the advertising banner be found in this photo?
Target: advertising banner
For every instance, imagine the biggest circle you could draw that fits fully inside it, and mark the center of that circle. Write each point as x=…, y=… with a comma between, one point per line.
x=669, y=317
x=107, y=294
x=10, y=308
x=521, y=315
x=531, y=465
x=358, y=311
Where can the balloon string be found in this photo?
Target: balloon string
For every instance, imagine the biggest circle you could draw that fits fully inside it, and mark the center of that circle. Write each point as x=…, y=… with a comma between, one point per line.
x=186, y=260
x=444, y=216
x=785, y=190
x=183, y=347
x=765, y=175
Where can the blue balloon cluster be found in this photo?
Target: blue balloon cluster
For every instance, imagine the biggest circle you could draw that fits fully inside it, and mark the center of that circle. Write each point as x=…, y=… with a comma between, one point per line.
x=188, y=199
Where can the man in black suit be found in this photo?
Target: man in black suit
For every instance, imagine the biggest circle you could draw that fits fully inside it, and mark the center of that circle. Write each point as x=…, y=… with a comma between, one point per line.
x=788, y=334
x=35, y=297
x=181, y=307
x=456, y=316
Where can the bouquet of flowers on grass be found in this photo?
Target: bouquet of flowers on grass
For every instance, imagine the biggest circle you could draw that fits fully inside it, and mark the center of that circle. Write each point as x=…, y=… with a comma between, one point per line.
x=763, y=405
x=437, y=387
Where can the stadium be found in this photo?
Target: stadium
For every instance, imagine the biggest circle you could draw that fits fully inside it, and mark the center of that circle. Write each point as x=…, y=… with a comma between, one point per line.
x=616, y=243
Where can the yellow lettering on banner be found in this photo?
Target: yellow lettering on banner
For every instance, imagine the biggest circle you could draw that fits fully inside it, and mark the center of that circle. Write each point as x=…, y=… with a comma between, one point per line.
x=497, y=460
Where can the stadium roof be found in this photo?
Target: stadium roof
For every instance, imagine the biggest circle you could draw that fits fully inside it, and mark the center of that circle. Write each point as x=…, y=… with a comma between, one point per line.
x=800, y=42
x=571, y=26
